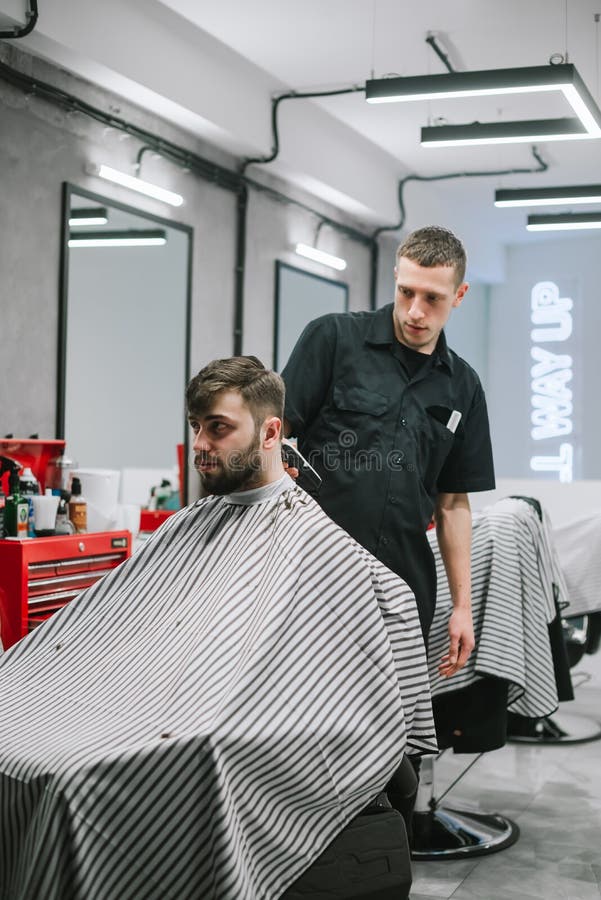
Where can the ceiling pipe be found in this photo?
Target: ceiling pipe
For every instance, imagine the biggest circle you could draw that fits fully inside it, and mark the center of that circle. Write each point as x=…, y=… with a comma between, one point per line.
x=431, y=40
x=18, y=32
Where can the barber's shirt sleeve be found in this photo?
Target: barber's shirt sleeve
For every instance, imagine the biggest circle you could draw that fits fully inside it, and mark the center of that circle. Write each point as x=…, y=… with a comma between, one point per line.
x=308, y=373
x=469, y=466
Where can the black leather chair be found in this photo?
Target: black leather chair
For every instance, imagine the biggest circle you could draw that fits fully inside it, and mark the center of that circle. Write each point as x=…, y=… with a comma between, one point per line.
x=369, y=859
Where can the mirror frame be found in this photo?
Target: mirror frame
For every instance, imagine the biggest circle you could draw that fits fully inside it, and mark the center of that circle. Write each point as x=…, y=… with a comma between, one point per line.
x=69, y=190
x=279, y=265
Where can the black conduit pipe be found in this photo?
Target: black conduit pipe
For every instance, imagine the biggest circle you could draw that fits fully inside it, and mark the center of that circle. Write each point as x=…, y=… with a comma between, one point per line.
x=241, y=215
x=32, y=18
x=373, y=273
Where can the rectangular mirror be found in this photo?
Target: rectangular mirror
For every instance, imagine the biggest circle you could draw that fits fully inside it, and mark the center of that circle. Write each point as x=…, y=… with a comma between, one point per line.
x=300, y=297
x=124, y=335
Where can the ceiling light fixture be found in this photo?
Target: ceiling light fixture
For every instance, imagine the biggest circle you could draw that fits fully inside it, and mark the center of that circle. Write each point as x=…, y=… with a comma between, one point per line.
x=564, y=222
x=135, y=184
x=96, y=215
x=492, y=82
x=124, y=238
x=550, y=196
x=527, y=131
x=335, y=262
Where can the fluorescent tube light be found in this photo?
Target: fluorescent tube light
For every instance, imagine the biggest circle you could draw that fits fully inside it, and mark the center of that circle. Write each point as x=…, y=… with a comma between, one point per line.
x=135, y=184
x=550, y=196
x=564, y=222
x=520, y=132
x=96, y=215
x=125, y=238
x=492, y=82
x=335, y=262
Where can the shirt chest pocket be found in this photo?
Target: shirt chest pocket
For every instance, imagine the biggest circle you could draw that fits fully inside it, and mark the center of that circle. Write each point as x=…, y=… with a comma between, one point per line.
x=436, y=441
x=359, y=416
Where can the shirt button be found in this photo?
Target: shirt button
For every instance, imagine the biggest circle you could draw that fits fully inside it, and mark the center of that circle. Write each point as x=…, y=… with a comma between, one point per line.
x=403, y=421
x=393, y=499
x=384, y=542
x=396, y=459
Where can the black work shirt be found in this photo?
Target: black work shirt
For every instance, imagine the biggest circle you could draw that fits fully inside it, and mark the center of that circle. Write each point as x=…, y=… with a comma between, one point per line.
x=379, y=437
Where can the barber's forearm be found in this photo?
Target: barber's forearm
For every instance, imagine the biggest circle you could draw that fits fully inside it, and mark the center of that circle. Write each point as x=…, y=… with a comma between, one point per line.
x=454, y=533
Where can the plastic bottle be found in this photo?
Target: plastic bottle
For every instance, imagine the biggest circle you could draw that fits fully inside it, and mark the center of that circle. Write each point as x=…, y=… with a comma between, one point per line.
x=28, y=486
x=78, y=507
x=63, y=523
x=16, y=514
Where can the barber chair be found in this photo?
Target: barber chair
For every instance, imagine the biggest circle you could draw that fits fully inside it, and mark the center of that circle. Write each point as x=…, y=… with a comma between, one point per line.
x=582, y=635
x=369, y=859
x=571, y=637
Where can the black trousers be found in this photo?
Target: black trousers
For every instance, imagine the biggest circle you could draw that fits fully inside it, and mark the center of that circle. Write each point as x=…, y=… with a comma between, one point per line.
x=401, y=790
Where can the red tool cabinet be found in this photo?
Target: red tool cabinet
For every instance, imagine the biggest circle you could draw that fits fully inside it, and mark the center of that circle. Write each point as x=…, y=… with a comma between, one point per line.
x=38, y=576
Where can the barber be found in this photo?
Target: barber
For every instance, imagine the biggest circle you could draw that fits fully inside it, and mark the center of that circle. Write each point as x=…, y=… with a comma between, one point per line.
x=396, y=424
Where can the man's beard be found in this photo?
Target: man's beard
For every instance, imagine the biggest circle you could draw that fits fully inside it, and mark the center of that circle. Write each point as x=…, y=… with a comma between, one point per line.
x=239, y=472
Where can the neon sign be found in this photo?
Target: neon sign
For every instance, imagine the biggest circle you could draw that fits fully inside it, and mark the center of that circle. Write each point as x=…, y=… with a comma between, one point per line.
x=551, y=375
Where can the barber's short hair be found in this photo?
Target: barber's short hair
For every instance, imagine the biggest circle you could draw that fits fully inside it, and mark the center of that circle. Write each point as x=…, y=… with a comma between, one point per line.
x=261, y=389
x=434, y=246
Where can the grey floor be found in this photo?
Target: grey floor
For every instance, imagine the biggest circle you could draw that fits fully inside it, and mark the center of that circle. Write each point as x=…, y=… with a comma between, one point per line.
x=553, y=793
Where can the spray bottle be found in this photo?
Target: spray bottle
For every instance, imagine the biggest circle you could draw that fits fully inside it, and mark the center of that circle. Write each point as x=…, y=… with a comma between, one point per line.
x=5, y=466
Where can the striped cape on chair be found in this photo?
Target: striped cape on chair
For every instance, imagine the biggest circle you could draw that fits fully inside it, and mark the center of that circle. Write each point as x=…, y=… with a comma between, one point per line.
x=204, y=720
x=513, y=569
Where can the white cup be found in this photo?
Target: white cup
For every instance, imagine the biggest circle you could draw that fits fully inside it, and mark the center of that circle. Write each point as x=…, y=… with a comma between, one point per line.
x=44, y=512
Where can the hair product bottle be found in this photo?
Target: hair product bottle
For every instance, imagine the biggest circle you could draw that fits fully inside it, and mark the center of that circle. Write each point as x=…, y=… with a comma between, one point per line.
x=78, y=507
x=28, y=486
x=16, y=517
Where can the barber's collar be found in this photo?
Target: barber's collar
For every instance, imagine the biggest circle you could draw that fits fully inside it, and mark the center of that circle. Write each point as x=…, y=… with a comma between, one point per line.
x=269, y=491
x=381, y=332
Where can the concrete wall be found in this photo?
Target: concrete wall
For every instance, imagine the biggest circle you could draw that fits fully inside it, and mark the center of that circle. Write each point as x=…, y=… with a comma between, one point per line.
x=40, y=147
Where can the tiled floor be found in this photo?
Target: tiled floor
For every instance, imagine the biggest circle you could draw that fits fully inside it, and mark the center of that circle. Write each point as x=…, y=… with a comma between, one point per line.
x=554, y=794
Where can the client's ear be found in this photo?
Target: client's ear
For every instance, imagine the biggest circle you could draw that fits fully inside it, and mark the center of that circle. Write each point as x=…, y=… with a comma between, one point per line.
x=272, y=428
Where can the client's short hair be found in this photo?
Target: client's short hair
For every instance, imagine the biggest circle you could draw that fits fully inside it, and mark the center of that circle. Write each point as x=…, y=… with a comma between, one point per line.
x=435, y=246
x=262, y=390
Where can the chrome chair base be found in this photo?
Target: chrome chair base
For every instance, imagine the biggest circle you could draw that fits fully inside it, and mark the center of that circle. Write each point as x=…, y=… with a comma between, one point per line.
x=445, y=833
x=562, y=728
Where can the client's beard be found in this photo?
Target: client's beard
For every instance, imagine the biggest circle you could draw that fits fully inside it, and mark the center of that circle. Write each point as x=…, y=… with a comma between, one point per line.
x=239, y=472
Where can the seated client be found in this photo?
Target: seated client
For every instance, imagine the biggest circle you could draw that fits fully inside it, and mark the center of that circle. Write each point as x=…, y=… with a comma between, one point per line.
x=204, y=720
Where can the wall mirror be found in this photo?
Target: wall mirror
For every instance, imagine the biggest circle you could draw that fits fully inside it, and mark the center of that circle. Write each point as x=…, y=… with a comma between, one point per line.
x=300, y=297
x=124, y=334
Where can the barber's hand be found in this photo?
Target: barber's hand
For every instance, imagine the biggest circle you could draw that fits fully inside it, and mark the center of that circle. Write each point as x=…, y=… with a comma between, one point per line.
x=461, y=642
x=294, y=473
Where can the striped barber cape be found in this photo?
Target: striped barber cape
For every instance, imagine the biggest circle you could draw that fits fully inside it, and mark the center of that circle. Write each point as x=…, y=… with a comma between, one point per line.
x=514, y=568
x=203, y=721
x=579, y=549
